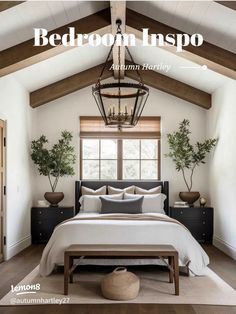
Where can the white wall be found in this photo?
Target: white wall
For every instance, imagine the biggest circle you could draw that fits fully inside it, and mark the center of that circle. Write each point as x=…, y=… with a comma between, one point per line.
x=222, y=175
x=64, y=113
x=15, y=109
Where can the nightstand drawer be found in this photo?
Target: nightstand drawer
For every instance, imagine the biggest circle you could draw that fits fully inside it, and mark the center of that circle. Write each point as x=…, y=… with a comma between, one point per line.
x=189, y=220
x=202, y=233
x=191, y=213
x=41, y=237
x=193, y=225
x=51, y=213
x=47, y=223
x=44, y=224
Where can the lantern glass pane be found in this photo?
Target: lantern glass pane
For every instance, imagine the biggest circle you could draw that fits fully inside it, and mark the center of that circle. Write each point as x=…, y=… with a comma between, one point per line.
x=120, y=105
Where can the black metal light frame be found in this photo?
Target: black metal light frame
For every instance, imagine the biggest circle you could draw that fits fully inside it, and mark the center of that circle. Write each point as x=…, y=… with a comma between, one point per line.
x=122, y=93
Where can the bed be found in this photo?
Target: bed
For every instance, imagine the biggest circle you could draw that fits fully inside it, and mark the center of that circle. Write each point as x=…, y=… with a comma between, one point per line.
x=149, y=229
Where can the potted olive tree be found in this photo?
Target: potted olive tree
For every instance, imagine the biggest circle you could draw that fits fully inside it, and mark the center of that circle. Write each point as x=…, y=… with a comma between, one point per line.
x=187, y=157
x=54, y=163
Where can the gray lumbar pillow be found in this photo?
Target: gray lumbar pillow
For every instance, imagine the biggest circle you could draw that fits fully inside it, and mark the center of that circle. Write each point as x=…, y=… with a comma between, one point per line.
x=130, y=206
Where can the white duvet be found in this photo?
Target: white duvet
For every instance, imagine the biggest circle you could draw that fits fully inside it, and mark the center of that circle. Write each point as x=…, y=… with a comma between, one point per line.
x=122, y=232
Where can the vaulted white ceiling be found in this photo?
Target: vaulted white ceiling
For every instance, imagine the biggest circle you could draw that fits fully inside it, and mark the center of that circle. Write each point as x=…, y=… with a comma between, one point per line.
x=206, y=17
x=61, y=66
x=215, y=22
x=17, y=23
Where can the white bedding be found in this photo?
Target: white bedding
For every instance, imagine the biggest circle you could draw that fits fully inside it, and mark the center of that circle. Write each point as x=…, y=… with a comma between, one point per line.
x=122, y=232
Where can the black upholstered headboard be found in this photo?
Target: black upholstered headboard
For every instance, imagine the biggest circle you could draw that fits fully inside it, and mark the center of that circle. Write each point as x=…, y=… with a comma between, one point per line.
x=121, y=184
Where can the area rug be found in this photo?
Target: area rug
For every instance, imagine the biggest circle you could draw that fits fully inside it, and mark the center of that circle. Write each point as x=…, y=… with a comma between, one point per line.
x=155, y=288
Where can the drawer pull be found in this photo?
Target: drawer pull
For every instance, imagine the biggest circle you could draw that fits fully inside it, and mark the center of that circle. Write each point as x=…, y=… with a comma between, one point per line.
x=40, y=222
x=62, y=212
x=40, y=234
x=40, y=212
x=204, y=213
x=181, y=212
x=203, y=222
x=203, y=234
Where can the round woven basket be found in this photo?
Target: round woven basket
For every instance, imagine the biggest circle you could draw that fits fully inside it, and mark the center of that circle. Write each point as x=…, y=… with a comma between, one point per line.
x=120, y=285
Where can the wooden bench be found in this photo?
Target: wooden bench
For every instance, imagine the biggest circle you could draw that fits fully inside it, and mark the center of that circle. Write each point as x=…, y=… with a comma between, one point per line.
x=165, y=252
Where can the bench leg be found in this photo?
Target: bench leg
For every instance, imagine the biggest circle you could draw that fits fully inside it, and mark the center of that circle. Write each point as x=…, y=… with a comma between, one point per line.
x=66, y=274
x=171, y=264
x=176, y=274
x=71, y=269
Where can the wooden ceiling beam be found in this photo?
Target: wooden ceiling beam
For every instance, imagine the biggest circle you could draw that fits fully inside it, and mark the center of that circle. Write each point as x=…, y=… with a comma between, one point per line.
x=89, y=77
x=172, y=87
x=26, y=54
x=215, y=58
x=118, y=12
x=228, y=4
x=5, y=5
x=68, y=85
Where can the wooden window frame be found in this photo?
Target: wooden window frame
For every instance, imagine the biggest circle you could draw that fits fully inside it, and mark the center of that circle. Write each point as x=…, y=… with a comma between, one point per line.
x=120, y=158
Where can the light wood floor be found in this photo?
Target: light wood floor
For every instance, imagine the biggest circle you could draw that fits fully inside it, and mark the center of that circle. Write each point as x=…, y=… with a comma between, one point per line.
x=14, y=270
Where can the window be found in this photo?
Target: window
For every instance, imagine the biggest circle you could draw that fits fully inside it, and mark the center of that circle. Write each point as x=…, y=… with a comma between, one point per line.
x=140, y=159
x=99, y=159
x=107, y=154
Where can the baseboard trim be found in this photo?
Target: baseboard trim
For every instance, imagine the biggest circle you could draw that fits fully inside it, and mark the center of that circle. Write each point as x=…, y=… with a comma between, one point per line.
x=225, y=247
x=17, y=247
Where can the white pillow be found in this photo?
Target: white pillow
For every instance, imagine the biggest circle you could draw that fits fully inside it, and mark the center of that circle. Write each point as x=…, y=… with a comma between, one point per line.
x=129, y=189
x=87, y=191
x=93, y=204
x=141, y=191
x=153, y=203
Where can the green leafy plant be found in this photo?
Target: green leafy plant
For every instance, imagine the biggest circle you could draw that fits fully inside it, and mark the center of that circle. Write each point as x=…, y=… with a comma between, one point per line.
x=55, y=162
x=184, y=154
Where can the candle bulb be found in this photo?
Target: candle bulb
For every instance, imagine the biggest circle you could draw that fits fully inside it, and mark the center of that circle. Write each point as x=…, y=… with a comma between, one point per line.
x=131, y=111
x=113, y=110
x=126, y=110
x=110, y=111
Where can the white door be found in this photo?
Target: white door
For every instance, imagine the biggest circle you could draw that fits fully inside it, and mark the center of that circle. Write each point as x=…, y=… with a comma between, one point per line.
x=2, y=187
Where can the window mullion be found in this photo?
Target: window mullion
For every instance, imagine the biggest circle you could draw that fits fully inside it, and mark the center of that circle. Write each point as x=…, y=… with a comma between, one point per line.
x=159, y=159
x=99, y=160
x=140, y=159
x=119, y=159
x=81, y=159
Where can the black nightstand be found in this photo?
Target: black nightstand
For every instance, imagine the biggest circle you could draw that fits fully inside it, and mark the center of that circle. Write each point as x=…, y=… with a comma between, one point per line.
x=199, y=221
x=45, y=219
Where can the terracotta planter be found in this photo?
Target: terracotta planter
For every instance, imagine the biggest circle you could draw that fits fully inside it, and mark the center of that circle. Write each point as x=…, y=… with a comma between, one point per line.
x=54, y=198
x=120, y=285
x=189, y=197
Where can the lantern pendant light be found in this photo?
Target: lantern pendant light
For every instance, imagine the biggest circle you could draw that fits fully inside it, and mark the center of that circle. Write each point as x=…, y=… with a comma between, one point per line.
x=120, y=103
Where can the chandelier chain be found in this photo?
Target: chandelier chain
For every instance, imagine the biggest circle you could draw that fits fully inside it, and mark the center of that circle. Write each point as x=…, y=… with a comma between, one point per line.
x=105, y=64
x=118, y=31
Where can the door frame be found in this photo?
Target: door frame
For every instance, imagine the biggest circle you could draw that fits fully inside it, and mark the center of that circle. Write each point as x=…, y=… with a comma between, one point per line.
x=3, y=236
